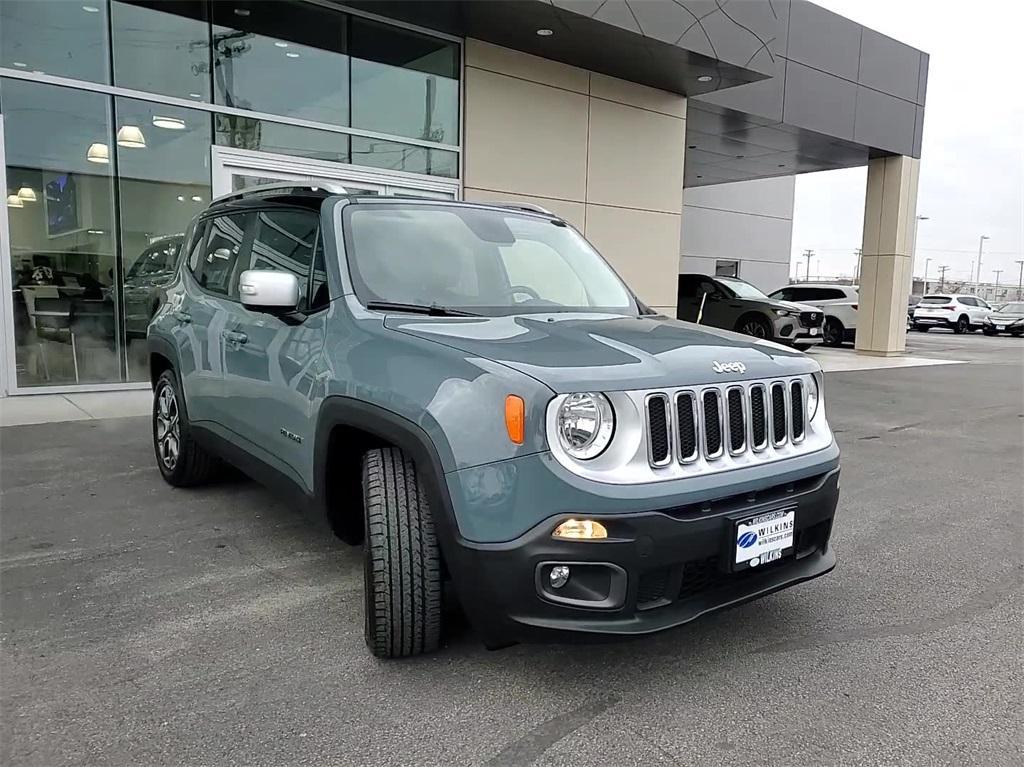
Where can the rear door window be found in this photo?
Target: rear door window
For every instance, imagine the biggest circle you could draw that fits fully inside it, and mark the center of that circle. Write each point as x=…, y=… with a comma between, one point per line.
x=220, y=254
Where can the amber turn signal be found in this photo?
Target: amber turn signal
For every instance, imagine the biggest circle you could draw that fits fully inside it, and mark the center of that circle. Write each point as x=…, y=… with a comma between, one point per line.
x=515, y=418
x=581, y=530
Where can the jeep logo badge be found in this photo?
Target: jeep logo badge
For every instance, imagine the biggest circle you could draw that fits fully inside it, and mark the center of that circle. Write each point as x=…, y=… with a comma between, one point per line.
x=728, y=367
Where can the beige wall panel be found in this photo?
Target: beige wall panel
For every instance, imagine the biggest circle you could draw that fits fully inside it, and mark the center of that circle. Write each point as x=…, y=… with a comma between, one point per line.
x=509, y=62
x=524, y=138
x=625, y=92
x=572, y=212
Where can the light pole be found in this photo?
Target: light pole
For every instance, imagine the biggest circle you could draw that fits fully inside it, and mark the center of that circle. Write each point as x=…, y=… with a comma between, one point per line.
x=913, y=246
x=981, y=244
x=1020, y=279
x=942, y=278
x=926, y=262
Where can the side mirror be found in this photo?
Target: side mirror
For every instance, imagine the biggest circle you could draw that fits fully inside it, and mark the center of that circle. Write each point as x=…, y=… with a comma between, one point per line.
x=266, y=290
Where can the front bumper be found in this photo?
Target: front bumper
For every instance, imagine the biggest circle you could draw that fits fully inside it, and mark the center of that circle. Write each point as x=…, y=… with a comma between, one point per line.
x=791, y=329
x=657, y=570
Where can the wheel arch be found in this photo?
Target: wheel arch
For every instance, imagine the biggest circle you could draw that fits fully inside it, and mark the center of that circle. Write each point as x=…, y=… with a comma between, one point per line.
x=750, y=314
x=162, y=356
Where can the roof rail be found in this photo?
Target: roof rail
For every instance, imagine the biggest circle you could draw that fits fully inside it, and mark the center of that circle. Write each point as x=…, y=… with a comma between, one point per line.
x=277, y=189
x=527, y=206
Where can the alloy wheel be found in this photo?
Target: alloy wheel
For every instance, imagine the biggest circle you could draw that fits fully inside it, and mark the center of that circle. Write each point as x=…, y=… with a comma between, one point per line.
x=754, y=328
x=168, y=428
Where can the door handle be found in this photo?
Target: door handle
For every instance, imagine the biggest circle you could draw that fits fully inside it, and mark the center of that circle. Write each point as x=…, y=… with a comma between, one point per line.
x=182, y=317
x=235, y=337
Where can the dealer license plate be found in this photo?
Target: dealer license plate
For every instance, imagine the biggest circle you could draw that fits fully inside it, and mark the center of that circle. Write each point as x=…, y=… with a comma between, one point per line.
x=1000, y=327
x=814, y=331
x=764, y=538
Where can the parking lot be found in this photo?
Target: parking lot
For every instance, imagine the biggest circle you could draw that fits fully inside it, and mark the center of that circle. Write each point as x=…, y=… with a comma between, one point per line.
x=145, y=625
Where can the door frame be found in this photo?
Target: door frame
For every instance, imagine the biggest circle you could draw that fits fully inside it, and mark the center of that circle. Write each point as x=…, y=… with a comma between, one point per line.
x=226, y=160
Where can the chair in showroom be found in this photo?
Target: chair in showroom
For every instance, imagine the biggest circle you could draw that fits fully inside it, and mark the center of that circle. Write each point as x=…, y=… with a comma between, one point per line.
x=52, y=320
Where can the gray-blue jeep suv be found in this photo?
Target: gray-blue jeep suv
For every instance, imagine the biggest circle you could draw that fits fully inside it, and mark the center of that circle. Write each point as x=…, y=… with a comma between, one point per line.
x=471, y=393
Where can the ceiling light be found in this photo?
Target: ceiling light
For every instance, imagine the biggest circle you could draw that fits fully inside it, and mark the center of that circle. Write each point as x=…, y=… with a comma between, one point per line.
x=782, y=165
x=281, y=44
x=196, y=198
x=292, y=55
x=98, y=153
x=692, y=146
x=95, y=231
x=181, y=198
x=20, y=64
x=740, y=156
x=90, y=9
x=545, y=32
x=13, y=201
x=196, y=95
x=242, y=11
x=130, y=137
x=705, y=79
x=170, y=123
x=28, y=194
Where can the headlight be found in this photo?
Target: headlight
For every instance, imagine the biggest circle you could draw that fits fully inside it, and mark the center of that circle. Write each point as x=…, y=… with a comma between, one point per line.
x=1018, y=322
x=782, y=312
x=812, y=399
x=585, y=424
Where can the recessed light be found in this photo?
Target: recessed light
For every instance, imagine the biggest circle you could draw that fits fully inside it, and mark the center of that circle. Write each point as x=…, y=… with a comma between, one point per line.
x=705, y=79
x=292, y=55
x=95, y=231
x=196, y=95
x=98, y=153
x=20, y=64
x=545, y=32
x=28, y=194
x=242, y=11
x=196, y=198
x=90, y=9
x=169, y=123
x=692, y=146
x=130, y=137
x=700, y=177
x=782, y=165
x=13, y=201
x=281, y=44
x=181, y=198
x=740, y=156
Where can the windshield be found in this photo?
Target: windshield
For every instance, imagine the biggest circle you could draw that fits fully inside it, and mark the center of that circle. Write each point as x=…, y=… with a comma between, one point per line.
x=475, y=260
x=1012, y=308
x=160, y=259
x=740, y=288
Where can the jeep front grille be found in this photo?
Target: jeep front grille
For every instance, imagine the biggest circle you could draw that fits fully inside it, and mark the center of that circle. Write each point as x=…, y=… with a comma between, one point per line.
x=733, y=420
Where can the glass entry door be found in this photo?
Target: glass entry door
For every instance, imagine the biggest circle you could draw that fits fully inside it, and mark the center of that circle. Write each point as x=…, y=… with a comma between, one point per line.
x=236, y=169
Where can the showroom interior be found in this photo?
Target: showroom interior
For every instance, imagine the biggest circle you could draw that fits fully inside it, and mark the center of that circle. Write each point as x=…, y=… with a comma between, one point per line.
x=121, y=119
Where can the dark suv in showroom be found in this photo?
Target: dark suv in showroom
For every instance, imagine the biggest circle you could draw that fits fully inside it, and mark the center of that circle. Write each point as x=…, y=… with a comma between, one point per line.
x=734, y=304
x=470, y=393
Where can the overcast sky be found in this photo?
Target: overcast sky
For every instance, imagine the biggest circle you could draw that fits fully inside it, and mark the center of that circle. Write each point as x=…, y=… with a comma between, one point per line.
x=972, y=164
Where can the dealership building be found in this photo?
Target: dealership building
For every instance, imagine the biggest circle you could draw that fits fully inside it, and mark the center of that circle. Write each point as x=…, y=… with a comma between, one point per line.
x=669, y=133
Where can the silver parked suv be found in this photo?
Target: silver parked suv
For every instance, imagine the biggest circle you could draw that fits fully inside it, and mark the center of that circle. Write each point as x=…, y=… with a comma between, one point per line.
x=473, y=395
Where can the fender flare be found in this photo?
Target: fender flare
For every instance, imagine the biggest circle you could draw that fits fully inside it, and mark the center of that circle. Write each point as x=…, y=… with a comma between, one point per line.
x=410, y=437
x=163, y=347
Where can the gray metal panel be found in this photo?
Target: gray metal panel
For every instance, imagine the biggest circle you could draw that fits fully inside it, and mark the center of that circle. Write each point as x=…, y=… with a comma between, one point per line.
x=823, y=40
x=918, y=131
x=762, y=98
x=819, y=102
x=922, y=79
x=889, y=66
x=884, y=121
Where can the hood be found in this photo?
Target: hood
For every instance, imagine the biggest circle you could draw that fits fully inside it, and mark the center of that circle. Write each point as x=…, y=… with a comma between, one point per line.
x=1006, y=316
x=793, y=306
x=588, y=352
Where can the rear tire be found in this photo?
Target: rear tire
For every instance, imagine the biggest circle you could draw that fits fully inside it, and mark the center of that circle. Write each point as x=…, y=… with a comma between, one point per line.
x=833, y=331
x=921, y=328
x=963, y=324
x=181, y=460
x=402, y=562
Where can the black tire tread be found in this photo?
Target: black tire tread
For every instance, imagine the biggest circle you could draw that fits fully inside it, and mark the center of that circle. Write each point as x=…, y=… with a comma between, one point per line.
x=196, y=465
x=403, y=565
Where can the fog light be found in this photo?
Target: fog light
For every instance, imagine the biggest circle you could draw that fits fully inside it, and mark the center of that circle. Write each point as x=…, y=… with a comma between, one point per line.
x=559, y=576
x=581, y=530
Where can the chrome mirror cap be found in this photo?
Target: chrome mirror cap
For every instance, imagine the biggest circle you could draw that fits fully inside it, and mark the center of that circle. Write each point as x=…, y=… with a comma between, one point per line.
x=265, y=289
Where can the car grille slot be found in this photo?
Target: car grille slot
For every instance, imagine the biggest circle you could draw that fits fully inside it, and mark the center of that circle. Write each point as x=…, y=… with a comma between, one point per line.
x=658, y=445
x=737, y=425
x=812, y=319
x=758, y=418
x=779, y=435
x=686, y=418
x=796, y=391
x=730, y=420
x=712, y=408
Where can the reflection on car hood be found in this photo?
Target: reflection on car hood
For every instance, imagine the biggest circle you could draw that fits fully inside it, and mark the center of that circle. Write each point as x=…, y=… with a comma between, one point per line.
x=1006, y=316
x=582, y=352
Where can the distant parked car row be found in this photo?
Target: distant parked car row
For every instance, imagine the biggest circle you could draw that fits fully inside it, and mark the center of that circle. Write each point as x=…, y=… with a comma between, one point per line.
x=806, y=314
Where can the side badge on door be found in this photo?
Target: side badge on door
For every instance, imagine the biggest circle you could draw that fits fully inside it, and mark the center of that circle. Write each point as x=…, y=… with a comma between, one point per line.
x=292, y=436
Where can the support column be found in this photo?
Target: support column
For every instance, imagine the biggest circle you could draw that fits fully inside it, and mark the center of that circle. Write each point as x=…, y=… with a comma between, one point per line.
x=887, y=260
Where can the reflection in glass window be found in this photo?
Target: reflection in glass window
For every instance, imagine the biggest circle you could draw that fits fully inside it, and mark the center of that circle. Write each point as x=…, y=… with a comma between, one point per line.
x=404, y=83
x=164, y=181
x=219, y=258
x=60, y=210
x=285, y=58
x=284, y=241
x=378, y=153
x=55, y=37
x=264, y=136
x=162, y=46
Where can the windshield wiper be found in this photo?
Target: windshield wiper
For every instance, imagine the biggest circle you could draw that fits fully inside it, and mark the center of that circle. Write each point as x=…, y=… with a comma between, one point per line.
x=433, y=310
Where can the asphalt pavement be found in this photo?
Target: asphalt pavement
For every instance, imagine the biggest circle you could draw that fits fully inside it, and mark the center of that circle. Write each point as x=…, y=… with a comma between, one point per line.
x=143, y=625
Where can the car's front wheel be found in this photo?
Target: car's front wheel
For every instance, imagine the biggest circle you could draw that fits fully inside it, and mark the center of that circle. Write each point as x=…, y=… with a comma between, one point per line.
x=755, y=325
x=402, y=561
x=182, y=461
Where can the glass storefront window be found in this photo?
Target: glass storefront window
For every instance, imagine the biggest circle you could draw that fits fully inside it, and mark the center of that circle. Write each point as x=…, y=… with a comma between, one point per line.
x=404, y=83
x=162, y=46
x=377, y=153
x=278, y=138
x=281, y=58
x=60, y=205
x=163, y=182
x=56, y=37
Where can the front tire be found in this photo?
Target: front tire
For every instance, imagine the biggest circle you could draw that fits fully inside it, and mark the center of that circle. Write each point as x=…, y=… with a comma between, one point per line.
x=402, y=562
x=755, y=325
x=182, y=462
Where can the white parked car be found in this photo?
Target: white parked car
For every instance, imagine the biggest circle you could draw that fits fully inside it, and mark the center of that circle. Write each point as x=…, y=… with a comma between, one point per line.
x=838, y=302
x=959, y=312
